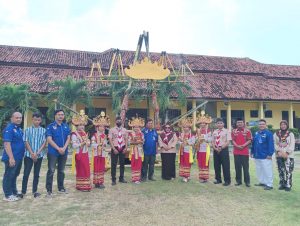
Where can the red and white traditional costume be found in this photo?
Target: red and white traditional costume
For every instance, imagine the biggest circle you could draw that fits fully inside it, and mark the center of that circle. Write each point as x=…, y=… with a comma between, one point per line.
x=80, y=143
x=202, y=146
x=136, y=155
x=187, y=141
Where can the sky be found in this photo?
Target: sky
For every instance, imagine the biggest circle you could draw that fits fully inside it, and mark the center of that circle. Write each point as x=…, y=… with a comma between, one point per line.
x=267, y=31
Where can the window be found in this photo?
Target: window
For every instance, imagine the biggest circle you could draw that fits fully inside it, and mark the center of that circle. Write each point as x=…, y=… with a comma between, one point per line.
x=224, y=116
x=254, y=113
x=285, y=115
x=173, y=113
x=94, y=112
x=268, y=114
x=237, y=114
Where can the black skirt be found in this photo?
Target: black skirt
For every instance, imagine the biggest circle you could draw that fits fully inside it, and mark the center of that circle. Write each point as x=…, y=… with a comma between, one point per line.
x=168, y=170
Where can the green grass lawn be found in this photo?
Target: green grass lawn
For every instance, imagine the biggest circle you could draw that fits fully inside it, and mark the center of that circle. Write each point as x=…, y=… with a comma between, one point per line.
x=158, y=203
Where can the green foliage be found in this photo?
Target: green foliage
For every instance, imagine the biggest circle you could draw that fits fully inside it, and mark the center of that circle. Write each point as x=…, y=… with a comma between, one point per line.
x=68, y=92
x=16, y=98
x=254, y=129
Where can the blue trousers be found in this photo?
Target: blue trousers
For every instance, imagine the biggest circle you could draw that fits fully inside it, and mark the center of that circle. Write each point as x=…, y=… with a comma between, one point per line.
x=9, y=183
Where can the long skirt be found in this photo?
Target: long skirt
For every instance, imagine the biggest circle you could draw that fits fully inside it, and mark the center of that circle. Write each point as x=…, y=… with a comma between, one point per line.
x=99, y=170
x=136, y=168
x=185, y=165
x=203, y=168
x=83, y=182
x=168, y=170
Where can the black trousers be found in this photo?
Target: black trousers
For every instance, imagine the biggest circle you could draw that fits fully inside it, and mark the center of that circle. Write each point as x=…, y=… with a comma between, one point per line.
x=168, y=170
x=61, y=163
x=114, y=163
x=221, y=159
x=241, y=162
x=28, y=163
x=148, y=166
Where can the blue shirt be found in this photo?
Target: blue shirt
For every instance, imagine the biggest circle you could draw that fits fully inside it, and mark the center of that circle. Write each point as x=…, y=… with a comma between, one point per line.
x=151, y=139
x=35, y=138
x=14, y=134
x=263, y=144
x=59, y=134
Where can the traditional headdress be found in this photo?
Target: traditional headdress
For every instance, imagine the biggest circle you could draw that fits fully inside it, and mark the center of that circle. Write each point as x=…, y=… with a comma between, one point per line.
x=80, y=119
x=186, y=122
x=136, y=122
x=101, y=120
x=203, y=118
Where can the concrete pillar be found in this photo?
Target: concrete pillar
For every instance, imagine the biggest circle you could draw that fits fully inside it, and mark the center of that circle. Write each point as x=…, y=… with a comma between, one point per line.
x=229, y=116
x=261, y=110
x=194, y=114
x=291, y=116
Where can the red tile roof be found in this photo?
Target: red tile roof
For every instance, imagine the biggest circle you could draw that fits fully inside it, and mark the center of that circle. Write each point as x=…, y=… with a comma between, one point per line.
x=215, y=77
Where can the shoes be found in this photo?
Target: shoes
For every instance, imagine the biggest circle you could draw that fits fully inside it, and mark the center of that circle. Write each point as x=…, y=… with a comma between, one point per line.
x=36, y=195
x=267, y=188
x=113, y=183
x=101, y=186
x=217, y=182
x=226, y=184
x=10, y=198
x=137, y=182
x=238, y=184
x=19, y=195
x=281, y=187
x=288, y=189
x=152, y=179
x=62, y=191
x=203, y=181
x=143, y=179
x=185, y=180
x=123, y=181
x=260, y=184
x=248, y=185
x=49, y=194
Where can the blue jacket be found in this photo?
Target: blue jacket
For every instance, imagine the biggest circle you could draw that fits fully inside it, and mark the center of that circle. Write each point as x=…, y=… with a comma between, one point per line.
x=263, y=144
x=14, y=134
x=59, y=134
x=151, y=139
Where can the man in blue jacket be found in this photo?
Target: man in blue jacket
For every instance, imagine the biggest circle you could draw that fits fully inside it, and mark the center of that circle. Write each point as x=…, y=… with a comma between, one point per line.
x=262, y=150
x=150, y=146
x=13, y=154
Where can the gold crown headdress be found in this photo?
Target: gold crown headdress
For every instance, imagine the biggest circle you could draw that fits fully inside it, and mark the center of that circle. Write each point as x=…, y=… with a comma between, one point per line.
x=203, y=118
x=80, y=119
x=101, y=120
x=186, y=122
x=136, y=122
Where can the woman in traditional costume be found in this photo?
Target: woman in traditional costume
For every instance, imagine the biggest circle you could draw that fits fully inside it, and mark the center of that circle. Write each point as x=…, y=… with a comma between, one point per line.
x=167, y=141
x=203, y=139
x=80, y=143
x=187, y=141
x=99, y=142
x=136, y=155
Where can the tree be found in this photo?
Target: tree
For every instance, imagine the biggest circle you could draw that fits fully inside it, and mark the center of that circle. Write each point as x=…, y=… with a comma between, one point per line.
x=16, y=98
x=68, y=92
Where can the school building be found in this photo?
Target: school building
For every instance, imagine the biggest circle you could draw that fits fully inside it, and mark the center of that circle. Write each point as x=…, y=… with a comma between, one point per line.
x=234, y=87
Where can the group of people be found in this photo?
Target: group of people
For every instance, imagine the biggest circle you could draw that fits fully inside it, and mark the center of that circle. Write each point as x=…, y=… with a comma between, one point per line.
x=143, y=142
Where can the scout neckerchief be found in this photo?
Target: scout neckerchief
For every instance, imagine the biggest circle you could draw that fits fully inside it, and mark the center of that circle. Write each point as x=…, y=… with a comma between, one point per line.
x=282, y=137
x=120, y=138
x=218, y=137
